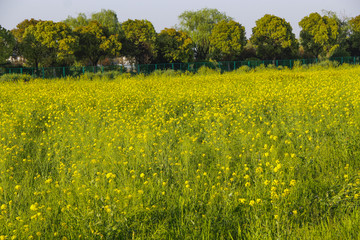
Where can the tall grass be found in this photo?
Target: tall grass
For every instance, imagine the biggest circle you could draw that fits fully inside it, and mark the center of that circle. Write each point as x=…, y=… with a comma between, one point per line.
x=258, y=155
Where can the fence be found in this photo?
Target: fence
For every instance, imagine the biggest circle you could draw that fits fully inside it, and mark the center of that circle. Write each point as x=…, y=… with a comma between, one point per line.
x=233, y=65
x=58, y=72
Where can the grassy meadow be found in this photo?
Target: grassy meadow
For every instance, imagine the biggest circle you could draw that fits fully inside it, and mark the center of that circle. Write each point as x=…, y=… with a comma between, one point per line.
x=267, y=154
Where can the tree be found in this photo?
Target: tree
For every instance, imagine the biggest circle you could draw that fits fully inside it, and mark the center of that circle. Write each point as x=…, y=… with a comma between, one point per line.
x=319, y=35
x=48, y=43
x=273, y=38
x=140, y=37
x=109, y=19
x=7, y=44
x=80, y=21
x=19, y=31
x=199, y=24
x=227, y=40
x=96, y=42
x=354, y=39
x=174, y=46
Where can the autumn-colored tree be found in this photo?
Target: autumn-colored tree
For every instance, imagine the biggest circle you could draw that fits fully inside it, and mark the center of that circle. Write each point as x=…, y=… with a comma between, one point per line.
x=273, y=38
x=199, y=24
x=174, y=46
x=227, y=40
x=354, y=39
x=7, y=44
x=319, y=35
x=140, y=40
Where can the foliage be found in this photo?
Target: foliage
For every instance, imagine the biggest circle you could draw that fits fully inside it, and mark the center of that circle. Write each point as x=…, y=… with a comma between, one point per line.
x=319, y=35
x=273, y=38
x=199, y=24
x=109, y=19
x=19, y=31
x=45, y=42
x=140, y=40
x=95, y=42
x=7, y=44
x=355, y=36
x=174, y=46
x=12, y=77
x=166, y=73
x=227, y=40
x=80, y=21
x=206, y=70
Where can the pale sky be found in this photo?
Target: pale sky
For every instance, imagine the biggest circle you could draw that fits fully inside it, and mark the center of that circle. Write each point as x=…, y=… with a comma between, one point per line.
x=164, y=13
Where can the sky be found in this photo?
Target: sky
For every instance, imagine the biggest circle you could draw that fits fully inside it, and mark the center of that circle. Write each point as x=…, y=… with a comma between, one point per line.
x=164, y=13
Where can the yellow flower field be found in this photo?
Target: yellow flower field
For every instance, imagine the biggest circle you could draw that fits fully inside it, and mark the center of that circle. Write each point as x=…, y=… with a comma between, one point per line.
x=261, y=155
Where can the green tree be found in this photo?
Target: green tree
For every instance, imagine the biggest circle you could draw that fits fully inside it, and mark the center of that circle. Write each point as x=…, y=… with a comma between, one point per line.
x=354, y=39
x=48, y=43
x=227, y=40
x=174, y=46
x=343, y=37
x=140, y=40
x=273, y=38
x=7, y=44
x=199, y=24
x=319, y=35
x=80, y=21
x=109, y=19
x=96, y=42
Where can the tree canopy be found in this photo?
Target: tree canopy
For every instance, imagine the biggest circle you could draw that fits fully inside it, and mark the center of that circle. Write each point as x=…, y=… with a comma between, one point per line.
x=355, y=36
x=227, y=40
x=319, y=35
x=45, y=42
x=140, y=38
x=273, y=38
x=174, y=46
x=199, y=24
x=7, y=44
x=96, y=42
x=202, y=35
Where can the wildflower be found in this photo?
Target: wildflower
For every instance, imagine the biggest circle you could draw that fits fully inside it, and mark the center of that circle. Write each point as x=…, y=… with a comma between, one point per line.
x=292, y=182
x=34, y=207
x=48, y=181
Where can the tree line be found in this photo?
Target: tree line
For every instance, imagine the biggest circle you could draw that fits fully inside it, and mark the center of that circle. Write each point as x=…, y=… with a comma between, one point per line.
x=202, y=35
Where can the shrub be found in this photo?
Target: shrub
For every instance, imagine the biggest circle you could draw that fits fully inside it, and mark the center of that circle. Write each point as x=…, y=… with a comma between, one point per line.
x=243, y=69
x=15, y=77
x=166, y=72
x=204, y=70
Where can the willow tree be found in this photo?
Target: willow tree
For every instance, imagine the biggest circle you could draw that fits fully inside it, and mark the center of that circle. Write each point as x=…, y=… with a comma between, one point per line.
x=199, y=24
